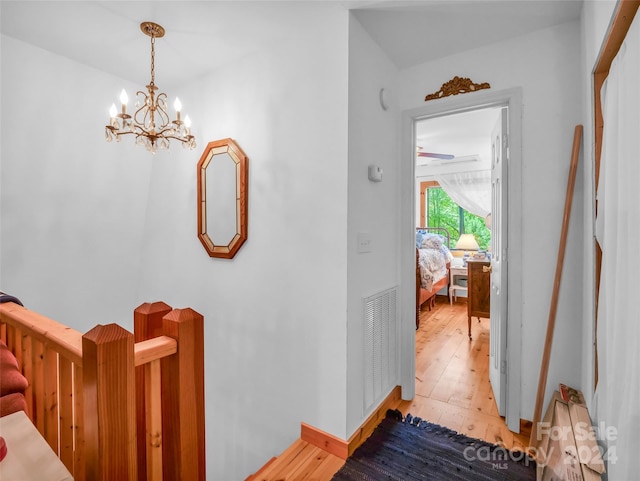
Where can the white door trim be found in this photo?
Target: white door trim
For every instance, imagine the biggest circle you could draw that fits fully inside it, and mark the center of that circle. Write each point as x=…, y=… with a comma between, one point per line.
x=476, y=100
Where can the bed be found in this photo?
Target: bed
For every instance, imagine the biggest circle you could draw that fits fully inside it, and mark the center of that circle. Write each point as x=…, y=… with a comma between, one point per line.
x=111, y=404
x=433, y=260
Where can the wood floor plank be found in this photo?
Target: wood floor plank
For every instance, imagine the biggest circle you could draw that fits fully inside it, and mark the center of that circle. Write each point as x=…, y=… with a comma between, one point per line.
x=452, y=384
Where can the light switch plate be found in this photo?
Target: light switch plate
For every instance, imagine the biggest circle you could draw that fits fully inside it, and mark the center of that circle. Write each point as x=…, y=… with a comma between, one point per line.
x=364, y=242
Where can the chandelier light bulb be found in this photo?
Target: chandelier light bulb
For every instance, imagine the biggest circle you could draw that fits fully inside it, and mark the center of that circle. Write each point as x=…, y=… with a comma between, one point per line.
x=124, y=98
x=113, y=111
x=187, y=122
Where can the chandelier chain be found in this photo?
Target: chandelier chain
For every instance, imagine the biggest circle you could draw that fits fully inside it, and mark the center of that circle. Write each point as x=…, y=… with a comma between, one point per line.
x=153, y=62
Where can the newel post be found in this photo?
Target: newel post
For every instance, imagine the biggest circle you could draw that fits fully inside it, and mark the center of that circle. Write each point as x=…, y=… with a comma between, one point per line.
x=183, y=422
x=109, y=404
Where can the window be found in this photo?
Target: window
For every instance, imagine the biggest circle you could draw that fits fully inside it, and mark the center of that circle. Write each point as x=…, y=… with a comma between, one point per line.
x=438, y=210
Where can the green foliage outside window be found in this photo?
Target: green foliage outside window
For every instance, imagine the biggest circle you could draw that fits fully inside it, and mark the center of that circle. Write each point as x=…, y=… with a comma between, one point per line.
x=444, y=212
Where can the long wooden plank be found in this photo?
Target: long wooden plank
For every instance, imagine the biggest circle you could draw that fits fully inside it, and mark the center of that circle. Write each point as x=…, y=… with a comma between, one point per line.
x=551, y=322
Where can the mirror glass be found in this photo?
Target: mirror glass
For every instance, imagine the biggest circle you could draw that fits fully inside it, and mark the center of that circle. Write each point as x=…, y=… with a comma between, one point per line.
x=222, y=223
x=222, y=198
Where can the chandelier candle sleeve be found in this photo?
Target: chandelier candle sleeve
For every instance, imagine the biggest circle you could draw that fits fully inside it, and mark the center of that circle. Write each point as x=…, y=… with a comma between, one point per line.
x=150, y=123
x=178, y=106
x=124, y=100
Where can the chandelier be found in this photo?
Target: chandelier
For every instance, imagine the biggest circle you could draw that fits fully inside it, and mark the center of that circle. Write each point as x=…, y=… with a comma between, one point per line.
x=150, y=123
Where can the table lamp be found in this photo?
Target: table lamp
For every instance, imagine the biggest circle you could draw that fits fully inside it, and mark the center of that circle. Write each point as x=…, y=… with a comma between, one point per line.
x=467, y=243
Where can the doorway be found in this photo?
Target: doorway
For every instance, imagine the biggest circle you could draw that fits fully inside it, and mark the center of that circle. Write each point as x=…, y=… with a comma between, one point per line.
x=506, y=288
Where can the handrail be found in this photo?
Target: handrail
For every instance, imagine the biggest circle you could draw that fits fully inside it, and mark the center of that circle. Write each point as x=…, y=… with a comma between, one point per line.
x=67, y=341
x=154, y=349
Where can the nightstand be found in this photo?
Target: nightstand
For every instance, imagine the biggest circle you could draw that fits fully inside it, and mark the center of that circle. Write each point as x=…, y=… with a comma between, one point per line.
x=479, y=279
x=456, y=274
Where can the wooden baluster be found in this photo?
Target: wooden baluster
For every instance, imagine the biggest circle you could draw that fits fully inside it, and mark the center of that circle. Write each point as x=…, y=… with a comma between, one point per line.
x=67, y=424
x=147, y=323
x=79, y=459
x=27, y=371
x=16, y=346
x=10, y=336
x=109, y=404
x=51, y=419
x=38, y=413
x=153, y=408
x=183, y=423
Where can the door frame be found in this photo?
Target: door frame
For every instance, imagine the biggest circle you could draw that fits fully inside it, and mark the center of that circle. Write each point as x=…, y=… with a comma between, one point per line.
x=512, y=98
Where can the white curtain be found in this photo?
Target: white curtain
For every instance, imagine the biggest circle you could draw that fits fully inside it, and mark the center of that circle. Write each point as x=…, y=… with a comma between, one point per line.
x=470, y=190
x=618, y=231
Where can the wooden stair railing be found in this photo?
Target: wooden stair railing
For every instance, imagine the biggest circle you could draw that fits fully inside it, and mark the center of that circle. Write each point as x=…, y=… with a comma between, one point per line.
x=112, y=408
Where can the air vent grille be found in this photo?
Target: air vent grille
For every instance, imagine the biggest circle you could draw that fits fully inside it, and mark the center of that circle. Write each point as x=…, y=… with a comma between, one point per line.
x=380, y=346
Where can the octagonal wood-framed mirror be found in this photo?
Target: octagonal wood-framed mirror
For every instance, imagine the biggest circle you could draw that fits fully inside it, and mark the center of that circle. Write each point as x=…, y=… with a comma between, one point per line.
x=223, y=171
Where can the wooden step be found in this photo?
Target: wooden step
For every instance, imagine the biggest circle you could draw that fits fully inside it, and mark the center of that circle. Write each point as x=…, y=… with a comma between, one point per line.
x=300, y=462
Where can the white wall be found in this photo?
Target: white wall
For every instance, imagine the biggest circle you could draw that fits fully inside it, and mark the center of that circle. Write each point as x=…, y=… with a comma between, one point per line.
x=72, y=207
x=545, y=64
x=275, y=315
x=373, y=206
x=92, y=230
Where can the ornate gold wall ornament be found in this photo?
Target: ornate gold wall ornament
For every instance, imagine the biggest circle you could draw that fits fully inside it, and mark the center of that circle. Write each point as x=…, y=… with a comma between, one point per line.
x=457, y=85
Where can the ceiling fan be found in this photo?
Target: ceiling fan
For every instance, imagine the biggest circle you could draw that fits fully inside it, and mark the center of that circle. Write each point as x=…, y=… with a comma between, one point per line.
x=433, y=155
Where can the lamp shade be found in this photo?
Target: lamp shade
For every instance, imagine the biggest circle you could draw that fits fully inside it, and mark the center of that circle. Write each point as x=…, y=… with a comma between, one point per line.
x=467, y=243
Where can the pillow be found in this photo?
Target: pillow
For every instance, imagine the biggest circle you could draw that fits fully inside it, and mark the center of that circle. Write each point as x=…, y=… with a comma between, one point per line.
x=11, y=379
x=432, y=241
x=12, y=403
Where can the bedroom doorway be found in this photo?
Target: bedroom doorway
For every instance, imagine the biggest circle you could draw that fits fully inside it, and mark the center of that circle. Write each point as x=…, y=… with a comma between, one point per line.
x=463, y=136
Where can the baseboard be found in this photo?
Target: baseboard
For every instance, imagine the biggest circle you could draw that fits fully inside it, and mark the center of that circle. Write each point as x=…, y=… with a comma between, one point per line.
x=341, y=448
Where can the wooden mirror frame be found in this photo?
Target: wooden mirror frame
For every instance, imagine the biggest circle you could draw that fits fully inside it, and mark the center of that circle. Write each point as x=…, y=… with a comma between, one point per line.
x=218, y=147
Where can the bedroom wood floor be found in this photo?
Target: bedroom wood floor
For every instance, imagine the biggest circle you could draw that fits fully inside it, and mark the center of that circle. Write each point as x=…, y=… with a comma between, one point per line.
x=452, y=389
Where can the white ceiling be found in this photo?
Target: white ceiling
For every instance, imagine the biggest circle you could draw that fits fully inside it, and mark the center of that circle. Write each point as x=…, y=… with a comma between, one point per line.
x=414, y=32
x=462, y=135
x=204, y=35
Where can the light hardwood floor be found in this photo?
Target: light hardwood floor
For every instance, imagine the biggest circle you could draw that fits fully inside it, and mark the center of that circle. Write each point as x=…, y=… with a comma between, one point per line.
x=452, y=389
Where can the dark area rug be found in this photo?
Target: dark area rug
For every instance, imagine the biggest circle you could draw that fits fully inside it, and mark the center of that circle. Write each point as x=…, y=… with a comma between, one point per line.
x=408, y=449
